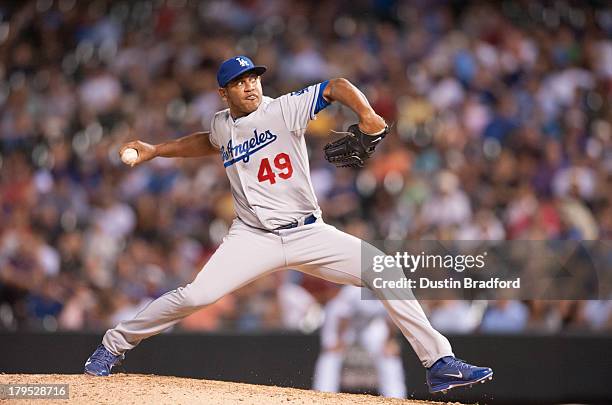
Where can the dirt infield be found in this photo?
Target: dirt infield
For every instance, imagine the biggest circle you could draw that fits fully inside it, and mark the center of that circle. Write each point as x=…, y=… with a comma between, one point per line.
x=139, y=389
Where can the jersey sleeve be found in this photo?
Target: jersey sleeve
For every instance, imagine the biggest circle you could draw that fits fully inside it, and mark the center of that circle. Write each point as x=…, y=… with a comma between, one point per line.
x=301, y=106
x=212, y=134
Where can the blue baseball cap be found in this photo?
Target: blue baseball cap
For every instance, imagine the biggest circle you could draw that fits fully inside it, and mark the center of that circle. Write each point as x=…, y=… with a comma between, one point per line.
x=234, y=67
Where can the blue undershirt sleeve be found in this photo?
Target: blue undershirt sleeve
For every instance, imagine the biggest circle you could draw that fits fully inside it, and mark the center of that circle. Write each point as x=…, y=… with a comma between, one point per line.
x=321, y=103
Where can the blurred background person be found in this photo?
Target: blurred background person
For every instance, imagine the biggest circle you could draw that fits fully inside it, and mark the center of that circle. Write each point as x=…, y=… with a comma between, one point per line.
x=355, y=317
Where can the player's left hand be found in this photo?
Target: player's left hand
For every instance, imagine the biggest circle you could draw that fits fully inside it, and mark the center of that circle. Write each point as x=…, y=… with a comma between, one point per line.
x=356, y=147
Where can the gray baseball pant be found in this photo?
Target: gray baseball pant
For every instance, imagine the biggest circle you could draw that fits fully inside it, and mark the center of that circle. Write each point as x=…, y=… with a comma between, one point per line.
x=247, y=253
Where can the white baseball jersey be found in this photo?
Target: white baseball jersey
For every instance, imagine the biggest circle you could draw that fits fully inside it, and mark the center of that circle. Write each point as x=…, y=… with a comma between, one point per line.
x=359, y=308
x=265, y=157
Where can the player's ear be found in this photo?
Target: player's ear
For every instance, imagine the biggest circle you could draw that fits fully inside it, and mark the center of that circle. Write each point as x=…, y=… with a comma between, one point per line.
x=222, y=93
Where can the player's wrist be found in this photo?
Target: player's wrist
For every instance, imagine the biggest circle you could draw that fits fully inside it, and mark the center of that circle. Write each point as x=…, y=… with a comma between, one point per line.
x=372, y=123
x=160, y=150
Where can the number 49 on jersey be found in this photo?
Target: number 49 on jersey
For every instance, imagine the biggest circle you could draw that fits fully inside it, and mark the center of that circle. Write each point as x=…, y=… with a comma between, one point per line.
x=283, y=167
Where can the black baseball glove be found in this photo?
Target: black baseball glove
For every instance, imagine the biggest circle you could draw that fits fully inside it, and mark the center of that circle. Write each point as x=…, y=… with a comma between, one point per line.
x=353, y=149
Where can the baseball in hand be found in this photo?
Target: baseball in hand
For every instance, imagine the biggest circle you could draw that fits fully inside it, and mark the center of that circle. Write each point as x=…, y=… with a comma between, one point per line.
x=129, y=156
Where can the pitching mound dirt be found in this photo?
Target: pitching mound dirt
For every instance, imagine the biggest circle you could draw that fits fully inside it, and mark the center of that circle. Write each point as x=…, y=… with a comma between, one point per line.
x=152, y=389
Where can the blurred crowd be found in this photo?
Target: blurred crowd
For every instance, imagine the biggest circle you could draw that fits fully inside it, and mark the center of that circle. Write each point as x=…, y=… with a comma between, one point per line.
x=501, y=117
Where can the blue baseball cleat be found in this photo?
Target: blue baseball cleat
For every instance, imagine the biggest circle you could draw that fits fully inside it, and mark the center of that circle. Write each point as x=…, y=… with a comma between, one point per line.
x=101, y=362
x=450, y=372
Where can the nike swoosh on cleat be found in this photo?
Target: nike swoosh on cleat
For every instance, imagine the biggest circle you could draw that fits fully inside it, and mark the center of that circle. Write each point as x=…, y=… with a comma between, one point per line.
x=455, y=375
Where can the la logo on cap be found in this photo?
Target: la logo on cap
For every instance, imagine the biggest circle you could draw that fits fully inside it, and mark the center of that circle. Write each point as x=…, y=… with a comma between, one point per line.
x=242, y=62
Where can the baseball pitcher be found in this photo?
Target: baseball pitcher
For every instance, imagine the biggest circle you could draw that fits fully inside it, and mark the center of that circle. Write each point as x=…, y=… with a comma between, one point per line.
x=260, y=142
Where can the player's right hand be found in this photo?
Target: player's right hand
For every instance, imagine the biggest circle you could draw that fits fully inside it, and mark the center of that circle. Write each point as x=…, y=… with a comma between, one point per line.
x=146, y=151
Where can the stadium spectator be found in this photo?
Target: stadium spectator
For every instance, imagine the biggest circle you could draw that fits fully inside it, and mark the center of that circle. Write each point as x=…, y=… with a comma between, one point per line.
x=502, y=132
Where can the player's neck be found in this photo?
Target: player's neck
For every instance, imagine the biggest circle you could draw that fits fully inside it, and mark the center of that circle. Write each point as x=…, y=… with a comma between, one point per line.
x=236, y=113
